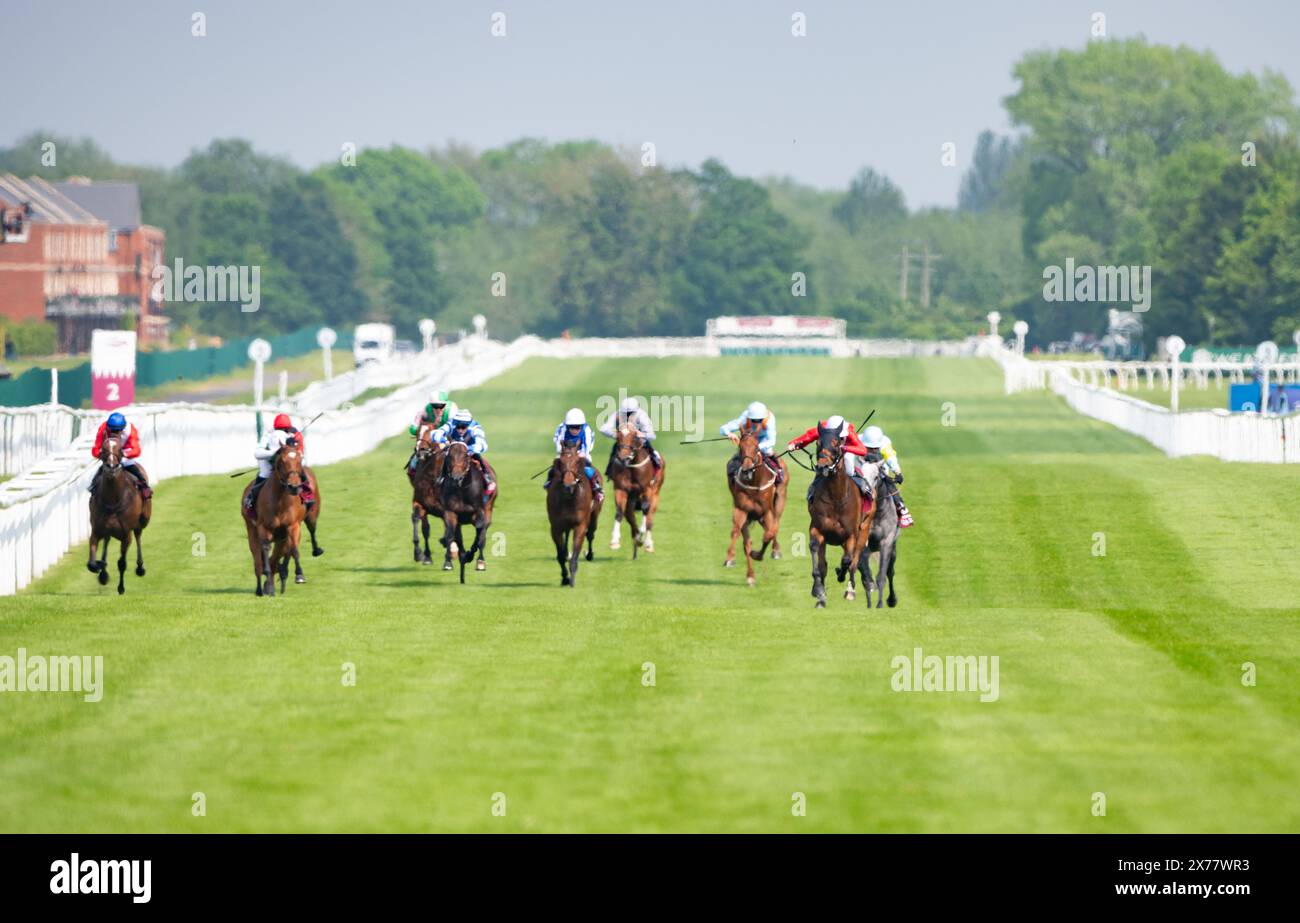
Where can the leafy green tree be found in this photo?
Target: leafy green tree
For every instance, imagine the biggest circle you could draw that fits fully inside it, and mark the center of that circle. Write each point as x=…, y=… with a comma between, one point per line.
x=871, y=199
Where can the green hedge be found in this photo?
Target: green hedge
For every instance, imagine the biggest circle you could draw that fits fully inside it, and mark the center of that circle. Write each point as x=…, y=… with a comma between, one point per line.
x=30, y=338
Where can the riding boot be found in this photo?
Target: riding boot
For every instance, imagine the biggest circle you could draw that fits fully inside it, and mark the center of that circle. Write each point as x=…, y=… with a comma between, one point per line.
x=94, y=482
x=654, y=454
x=597, y=485
x=488, y=475
x=141, y=480
x=733, y=467
x=904, y=517
x=251, y=501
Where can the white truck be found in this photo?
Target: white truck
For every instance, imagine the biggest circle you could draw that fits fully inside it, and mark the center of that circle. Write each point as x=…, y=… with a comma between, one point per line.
x=373, y=343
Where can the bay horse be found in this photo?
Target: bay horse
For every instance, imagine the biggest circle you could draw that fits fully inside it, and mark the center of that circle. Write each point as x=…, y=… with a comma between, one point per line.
x=463, y=498
x=311, y=515
x=755, y=497
x=835, y=515
x=883, y=540
x=277, y=518
x=636, y=484
x=573, y=510
x=117, y=511
x=424, y=486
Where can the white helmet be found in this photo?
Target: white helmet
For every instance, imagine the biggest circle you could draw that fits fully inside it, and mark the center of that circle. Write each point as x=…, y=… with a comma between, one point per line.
x=575, y=417
x=462, y=416
x=756, y=411
x=629, y=405
x=836, y=422
x=873, y=437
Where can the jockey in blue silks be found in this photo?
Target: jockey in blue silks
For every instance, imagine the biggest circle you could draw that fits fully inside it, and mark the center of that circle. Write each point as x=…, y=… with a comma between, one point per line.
x=575, y=431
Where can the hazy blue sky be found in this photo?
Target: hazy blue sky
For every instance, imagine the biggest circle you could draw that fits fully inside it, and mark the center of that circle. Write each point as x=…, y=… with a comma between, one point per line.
x=874, y=83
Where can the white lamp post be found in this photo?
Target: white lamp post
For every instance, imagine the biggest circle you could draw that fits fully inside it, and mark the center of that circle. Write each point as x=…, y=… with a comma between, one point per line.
x=259, y=351
x=994, y=317
x=1266, y=353
x=1174, y=347
x=325, y=339
x=1020, y=328
x=427, y=329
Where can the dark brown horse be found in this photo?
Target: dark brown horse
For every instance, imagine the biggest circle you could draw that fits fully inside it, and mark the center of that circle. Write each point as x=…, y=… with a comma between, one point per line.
x=636, y=484
x=574, y=511
x=277, y=517
x=463, y=496
x=755, y=497
x=117, y=510
x=311, y=515
x=424, y=485
x=836, y=516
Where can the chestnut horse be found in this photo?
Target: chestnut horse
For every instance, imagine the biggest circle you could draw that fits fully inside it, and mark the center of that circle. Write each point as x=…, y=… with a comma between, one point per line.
x=835, y=514
x=636, y=484
x=755, y=497
x=463, y=497
x=573, y=510
x=424, y=484
x=117, y=510
x=276, y=517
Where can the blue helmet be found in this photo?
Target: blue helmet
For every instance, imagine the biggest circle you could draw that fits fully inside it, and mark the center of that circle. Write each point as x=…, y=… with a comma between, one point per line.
x=116, y=422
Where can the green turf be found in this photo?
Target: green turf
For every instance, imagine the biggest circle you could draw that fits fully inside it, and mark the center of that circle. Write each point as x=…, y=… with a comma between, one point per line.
x=1119, y=674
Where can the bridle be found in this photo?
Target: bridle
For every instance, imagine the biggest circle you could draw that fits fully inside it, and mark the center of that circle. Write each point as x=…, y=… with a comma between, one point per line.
x=283, y=476
x=569, y=460
x=828, y=448
x=757, y=462
x=631, y=448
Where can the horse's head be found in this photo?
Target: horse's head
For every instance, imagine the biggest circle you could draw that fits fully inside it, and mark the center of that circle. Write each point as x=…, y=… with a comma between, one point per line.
x=750, y=456
x=627, y=442
x=570, y=467
x=457, y=462
x=830, y=449
x=110, y=451
x=424, y=443
x=288, y=468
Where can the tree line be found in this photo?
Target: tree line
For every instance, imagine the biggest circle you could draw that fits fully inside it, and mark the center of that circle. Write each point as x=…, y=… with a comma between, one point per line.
x=1124, y=153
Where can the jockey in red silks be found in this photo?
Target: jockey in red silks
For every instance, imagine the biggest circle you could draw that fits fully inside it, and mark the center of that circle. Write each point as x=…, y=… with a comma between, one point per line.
x=116, y=425
x=852, y=447
x=282, y=433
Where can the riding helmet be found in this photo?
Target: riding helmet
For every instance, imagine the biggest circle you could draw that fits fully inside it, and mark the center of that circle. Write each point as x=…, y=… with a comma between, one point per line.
x=282, y=421
x=756, y=411
x=116, y=422
x=873, y=437
x=575, y=417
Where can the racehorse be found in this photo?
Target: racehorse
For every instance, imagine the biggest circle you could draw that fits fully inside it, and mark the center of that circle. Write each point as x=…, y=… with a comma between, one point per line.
x=573, y=511
x=463, y=498
x=835, y=514
x=636, y=485
x=424, y=484
x=311, y=515
x=755, y=497
x=117, y=510
x=276, y=517
x=883, y=540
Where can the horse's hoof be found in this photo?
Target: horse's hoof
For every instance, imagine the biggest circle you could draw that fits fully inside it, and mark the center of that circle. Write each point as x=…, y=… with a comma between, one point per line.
x=650, y=547
x=103, y=577
x=840, y=575
x=258, y=591
x=615, y=546
x=480, y=565
x=300, y=578
x=591, y=556
x=821, y=604
x=850, y=595
x=776, y=555
x=121, y=590
x=446, y=565
x=92, y=567
x=317, y=551
x=564, y=581
x=139, y=571
x=729, y=563
x=892, y=602
x=750, y=580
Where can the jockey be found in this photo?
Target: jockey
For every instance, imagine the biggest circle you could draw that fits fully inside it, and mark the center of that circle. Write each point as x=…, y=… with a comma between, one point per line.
x=463, y=428
x=575, y=431
x=881, y=449
x=852, y=447
x=115, y=425
x=760, y=421
x=281, y=433
x=631, y=411
x=437, y=412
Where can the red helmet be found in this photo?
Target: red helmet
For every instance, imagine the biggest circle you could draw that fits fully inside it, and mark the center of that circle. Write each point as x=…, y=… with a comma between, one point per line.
x=282, y=421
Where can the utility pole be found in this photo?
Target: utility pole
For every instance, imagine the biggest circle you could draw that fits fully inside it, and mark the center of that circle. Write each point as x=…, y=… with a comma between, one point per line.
x=927, y=258
x=907, y=268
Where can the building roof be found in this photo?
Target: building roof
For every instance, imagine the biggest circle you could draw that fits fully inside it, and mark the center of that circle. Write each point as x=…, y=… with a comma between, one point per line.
x=116, y=203
x=49, y=205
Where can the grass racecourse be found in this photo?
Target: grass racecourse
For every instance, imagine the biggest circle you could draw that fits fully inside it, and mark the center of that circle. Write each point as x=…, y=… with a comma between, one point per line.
x=1118, y=673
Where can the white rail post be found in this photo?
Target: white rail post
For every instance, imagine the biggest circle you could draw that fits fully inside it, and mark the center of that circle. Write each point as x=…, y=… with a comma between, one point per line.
x=325, y=339
x=259, y=351
x=1174, y=346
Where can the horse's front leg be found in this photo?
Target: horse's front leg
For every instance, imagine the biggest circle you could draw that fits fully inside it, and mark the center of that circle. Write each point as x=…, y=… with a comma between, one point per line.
x=737, y=520
x=615, y=535
x=449, y=525
x=749, y=553
x=125, y=545
x=417, y=515
x=579, y=536
x=92, y=562
x=817, y=552
x=139, y=555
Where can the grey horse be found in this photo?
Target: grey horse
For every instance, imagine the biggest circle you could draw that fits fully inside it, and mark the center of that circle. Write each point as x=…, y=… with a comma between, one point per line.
x=883, y=539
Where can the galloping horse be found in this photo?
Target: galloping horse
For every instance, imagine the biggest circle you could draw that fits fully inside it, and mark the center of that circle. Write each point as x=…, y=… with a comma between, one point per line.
x=755, y=497
x=835, y=513
x=883, y=539
x=462, y=496
x=117, y=510
x=277, y=516
x=636, y=486
x=424, y=483
x=573, y=510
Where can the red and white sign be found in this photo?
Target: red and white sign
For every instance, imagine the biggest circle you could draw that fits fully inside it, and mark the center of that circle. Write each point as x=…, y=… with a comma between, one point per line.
x=112, y=368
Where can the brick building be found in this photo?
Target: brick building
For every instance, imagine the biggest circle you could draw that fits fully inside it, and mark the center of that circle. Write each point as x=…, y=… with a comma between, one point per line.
x=76, y=253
